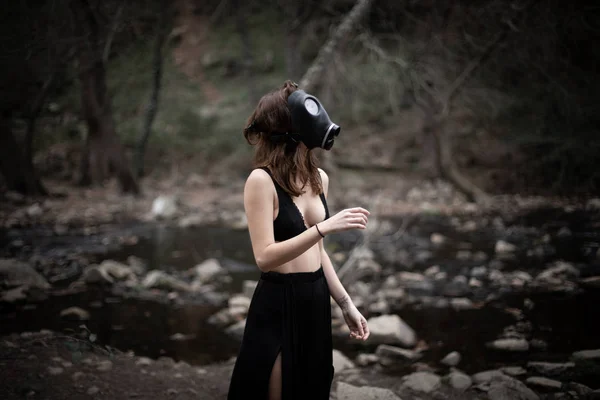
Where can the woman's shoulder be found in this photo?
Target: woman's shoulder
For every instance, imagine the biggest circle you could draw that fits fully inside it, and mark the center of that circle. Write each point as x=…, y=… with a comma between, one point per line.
x=259, y=177
x=324, y=176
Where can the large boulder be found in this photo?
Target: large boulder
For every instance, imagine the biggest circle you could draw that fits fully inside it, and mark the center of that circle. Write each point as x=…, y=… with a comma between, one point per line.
x=391, y=329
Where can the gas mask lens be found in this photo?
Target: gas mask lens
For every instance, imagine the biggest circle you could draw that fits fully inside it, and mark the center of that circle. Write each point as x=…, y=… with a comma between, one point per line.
x=311, y=106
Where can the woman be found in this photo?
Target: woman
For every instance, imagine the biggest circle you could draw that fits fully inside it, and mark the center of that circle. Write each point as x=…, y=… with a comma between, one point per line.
x=286, y=351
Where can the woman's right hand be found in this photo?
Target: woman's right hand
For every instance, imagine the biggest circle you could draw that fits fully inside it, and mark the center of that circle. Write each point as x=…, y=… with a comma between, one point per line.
x=345, y=220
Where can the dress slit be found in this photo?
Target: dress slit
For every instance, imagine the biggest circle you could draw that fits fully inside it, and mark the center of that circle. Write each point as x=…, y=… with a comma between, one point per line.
x=289, y=314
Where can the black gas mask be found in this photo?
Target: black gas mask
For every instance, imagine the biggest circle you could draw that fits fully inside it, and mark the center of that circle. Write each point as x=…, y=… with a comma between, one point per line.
x=310, y=121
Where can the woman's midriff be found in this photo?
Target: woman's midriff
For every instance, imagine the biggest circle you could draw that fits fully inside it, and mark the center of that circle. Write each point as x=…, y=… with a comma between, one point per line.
x=309, y=261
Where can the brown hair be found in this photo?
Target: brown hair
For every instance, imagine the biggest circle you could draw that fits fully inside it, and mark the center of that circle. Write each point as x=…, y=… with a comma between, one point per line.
x=285, y=161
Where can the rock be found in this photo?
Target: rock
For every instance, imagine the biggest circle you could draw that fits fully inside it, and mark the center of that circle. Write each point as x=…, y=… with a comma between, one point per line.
x=452, y=359
x=425, y=382
x=510, y=344
x=93, y=274
x=105, y=365
x=503, y=247
x=379, y=307
x=405, y=276
x=543, y=383
x=479, y=272
x=164, y=206
x=391, y=329
x=487, y=376
x=396, y=353
x=16, y=273
x=208, y=269
x=237, y=330
x=93, y=390
x=458, y=380
x=35, y=210
x=514, y=371
x=75, y=313
x=475, y=283
x=462, y=304
x=593, y=204
x=117, y=270
x=239, y=301
x=366, y=359
x=549, y=368
x=161, y=280
x=437, y=239
x=507, y=388
x=181, y=337
x=14, y=295
x=340, y=361
x=191, y=221
x=248, y=288
x=564, y=232
x=557, y=273
x=394, y=295
x=432, y=271
x=55, y=370
x=463, y=255
x=592, y=282
x=578, y=388
x=346, y=391
x=143, y=361
x=77, y=375
x=586, y=355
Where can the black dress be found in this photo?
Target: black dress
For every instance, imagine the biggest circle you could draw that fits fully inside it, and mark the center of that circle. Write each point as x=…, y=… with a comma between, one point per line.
x=289, y=313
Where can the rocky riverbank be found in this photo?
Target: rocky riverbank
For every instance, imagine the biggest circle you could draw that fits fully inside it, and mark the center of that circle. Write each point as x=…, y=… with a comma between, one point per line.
x=463, y=301
x=50, y=365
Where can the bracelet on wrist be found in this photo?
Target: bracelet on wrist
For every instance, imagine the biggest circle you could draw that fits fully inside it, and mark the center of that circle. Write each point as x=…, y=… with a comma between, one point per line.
x=318, y=230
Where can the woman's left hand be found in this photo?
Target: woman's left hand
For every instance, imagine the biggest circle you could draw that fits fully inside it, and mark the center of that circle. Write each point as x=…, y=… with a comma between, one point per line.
x=356, y=323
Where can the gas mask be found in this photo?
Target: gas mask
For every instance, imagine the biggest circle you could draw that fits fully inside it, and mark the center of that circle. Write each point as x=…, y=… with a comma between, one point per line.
x=310, y=121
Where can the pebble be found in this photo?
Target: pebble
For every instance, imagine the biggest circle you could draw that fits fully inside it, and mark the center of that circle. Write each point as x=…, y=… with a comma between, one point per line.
x=55, y=370
x=509, y=344
x=105, y=365
x=93, y=390
x=452, y=359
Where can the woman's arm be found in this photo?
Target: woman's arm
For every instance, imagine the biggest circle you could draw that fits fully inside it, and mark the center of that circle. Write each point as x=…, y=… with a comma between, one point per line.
x=258, y=203
x=356, y=322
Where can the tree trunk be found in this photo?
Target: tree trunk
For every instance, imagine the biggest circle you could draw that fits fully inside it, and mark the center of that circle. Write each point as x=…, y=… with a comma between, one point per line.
x=103, y=155
x=310, y=80
x=18, y=173
x=152, y=108
x=247, y=56
x=446, y=168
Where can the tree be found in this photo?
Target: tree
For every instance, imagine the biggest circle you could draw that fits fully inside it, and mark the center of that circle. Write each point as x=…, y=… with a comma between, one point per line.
x=157, y=71
x=103, y=155
x=310, y=79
